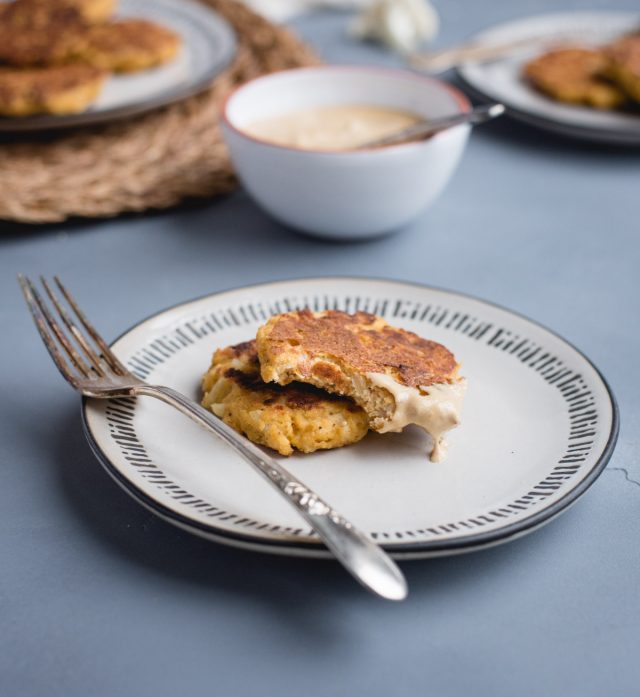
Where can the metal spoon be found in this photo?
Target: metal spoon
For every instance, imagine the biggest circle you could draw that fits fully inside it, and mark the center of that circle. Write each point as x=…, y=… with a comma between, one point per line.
x=425, y=128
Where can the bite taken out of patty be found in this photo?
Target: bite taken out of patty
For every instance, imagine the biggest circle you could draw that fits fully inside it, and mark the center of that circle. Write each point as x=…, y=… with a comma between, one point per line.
x=396, y=376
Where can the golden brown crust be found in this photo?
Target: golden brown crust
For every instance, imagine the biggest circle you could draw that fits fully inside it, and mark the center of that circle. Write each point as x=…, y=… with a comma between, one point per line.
x=62, y=89
x=90, y=11
x=128, y=45
x=624, y=64
x=396, y=376
x=38, y=33
x=575, y=75
x=363, y=341
x=297, y=416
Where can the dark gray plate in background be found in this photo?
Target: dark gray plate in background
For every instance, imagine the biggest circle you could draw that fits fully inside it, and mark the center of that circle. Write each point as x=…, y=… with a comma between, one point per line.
x=501, y=80
x=208, y=46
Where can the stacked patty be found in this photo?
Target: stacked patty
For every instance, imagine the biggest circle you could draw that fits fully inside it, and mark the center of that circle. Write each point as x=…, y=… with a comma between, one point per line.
x=320, y=380
x=56, y=54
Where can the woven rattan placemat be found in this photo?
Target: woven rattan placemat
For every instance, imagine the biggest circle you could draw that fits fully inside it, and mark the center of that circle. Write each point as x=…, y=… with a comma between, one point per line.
x=149, y=162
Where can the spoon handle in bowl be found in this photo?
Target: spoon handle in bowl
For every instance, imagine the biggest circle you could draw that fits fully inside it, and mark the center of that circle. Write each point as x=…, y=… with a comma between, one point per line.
x=422, y=129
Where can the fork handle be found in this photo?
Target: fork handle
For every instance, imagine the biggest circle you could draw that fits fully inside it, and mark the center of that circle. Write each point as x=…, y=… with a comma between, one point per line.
x=445, y=59
x=366, y=561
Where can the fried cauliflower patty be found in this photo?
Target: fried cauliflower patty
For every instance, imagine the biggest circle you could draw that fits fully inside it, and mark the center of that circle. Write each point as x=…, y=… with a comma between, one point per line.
x=128, y=45
x=576, y=76
x=396, y=376
x=39, y=33
x=64, y=89
x=338, y=352
x=624, y=64
x=295, y=417
x=44, y=11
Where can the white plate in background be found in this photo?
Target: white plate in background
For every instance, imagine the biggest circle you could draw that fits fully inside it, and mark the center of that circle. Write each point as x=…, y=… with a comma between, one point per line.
x=208, y=45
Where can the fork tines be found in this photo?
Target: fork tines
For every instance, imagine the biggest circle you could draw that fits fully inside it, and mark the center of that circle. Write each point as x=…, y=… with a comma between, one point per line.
x=98, y=360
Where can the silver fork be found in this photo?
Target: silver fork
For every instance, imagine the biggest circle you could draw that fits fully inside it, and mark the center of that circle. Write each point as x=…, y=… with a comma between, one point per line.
x=88, y=364
x=482, y=52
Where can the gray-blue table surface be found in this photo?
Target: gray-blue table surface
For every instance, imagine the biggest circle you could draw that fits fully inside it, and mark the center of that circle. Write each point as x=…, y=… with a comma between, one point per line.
x=99, y=597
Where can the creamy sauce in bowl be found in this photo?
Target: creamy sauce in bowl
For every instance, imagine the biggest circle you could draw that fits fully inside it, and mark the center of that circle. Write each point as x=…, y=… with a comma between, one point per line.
x=342, y=127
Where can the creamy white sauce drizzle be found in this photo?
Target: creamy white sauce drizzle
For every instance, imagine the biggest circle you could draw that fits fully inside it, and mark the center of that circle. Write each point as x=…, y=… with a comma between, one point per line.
x=435, y=408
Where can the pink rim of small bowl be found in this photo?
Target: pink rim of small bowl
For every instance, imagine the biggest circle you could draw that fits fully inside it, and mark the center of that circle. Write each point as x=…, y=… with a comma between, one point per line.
x=460, y=98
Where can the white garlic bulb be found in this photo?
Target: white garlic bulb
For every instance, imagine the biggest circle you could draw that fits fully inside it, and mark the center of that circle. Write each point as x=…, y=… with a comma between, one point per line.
x=400, y=24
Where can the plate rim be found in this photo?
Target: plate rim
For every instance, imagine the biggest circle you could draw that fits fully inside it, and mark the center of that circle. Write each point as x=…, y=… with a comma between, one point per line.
x=579, y=132
x=51, y=122
x=549, y=125
x=418, y=549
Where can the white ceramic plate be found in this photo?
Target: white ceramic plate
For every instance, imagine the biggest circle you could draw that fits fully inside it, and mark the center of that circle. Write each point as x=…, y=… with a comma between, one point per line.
x=208, y=45
x=539, y=424
x=501, y=80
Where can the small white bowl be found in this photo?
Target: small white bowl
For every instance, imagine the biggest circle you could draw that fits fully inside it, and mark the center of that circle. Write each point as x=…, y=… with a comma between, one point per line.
x=344, y=194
